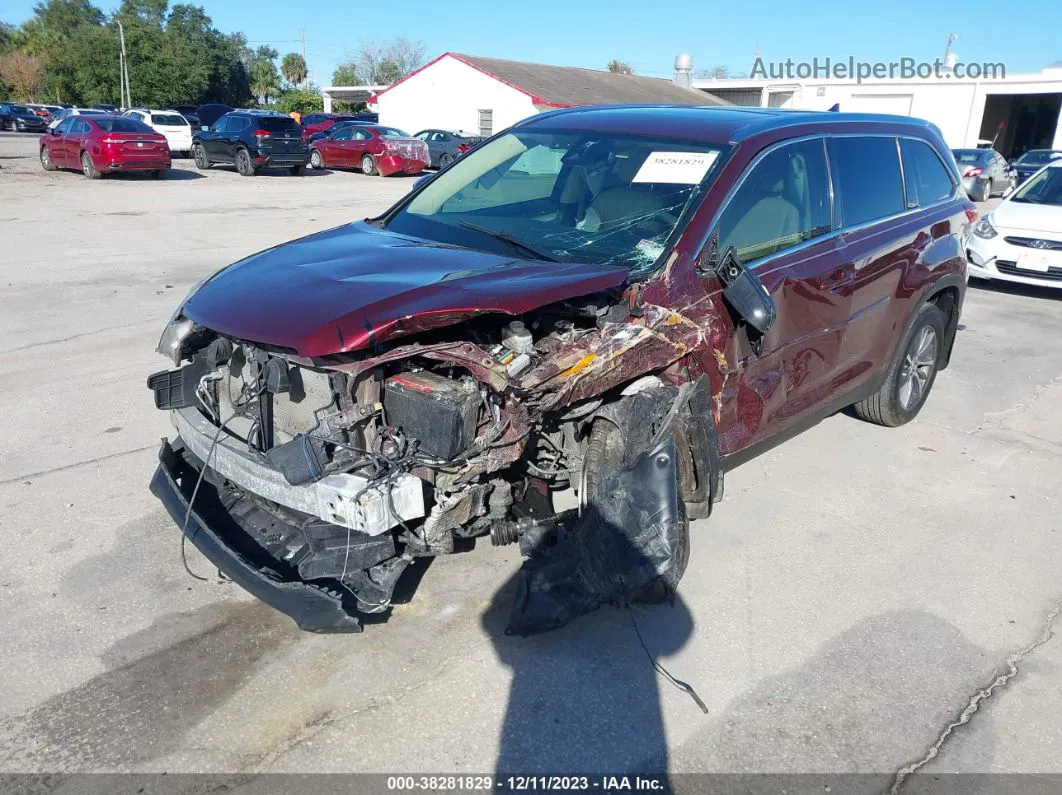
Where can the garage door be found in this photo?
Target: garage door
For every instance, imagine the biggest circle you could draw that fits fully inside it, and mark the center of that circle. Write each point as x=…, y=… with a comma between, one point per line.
x=896, y=104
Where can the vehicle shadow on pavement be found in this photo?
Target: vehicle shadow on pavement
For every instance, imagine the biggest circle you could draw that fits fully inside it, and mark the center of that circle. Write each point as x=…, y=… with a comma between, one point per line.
x=1016, y=288
x=584, y=698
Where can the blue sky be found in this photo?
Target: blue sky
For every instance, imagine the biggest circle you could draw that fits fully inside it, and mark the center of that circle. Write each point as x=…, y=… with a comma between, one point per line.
x=649, y=35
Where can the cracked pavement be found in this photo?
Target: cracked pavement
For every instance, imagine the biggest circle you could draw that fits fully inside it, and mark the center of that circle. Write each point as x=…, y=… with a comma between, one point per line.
x=864, y=600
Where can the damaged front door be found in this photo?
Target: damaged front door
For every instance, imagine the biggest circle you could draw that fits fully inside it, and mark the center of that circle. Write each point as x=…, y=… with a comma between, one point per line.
x=780, y=222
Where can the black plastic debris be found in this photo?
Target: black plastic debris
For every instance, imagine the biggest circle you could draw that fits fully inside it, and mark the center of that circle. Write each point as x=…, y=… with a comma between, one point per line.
x=629, y=545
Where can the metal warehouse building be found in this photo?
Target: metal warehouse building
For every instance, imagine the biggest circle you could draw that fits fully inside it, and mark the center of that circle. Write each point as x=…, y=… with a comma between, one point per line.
x=1016, y=112
x=484, y=95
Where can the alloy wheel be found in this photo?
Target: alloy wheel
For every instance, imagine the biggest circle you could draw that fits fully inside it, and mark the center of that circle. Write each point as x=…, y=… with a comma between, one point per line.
x=368, y=165
x=919, y=362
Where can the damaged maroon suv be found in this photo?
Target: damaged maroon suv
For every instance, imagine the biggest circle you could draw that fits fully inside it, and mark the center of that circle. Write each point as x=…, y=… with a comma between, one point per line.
x=617, y=303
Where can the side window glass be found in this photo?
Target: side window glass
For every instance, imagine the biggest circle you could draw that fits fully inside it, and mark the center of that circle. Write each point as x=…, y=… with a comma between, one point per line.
x=866, y=178
x=82, y=127
x=344, y=134
x=222, y=124
x=63, y=127
x=928, y=180
x=783, y=201
x=361, y=135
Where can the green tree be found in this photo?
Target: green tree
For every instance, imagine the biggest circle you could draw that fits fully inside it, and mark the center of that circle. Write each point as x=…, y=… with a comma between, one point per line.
x=619, y=67
x=345, y=75
x=303, y=100
x=293, y=67
x=265, y=82
x=176, y=55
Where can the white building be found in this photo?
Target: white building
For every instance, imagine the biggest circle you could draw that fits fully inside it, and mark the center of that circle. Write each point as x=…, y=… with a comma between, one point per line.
x=484, y=95
x=1018, y=112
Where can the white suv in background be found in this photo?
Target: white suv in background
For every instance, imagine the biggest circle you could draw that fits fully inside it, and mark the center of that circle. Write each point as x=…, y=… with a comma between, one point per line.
x=1021, y=239
x=170, y=123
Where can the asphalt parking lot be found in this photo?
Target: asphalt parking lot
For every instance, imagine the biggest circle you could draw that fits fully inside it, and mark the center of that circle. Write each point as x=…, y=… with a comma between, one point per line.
x=859, y=590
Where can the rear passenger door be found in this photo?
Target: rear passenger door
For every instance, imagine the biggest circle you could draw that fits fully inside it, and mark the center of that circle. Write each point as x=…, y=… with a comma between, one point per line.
x=780, y=221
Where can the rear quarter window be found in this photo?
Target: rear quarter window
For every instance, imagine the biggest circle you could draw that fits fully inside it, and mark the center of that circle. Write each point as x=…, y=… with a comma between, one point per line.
x=866, y=178
x=928, y=179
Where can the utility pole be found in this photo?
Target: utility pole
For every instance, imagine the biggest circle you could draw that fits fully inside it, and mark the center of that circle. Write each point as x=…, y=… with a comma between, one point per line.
x=126, y=99
x=302, y=36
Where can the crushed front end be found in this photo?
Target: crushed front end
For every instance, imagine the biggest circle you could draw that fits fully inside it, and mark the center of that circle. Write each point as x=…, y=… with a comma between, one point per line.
x=314, y=483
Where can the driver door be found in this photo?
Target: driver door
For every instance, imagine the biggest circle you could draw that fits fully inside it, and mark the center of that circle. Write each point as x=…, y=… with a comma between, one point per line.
x=780, y=221
x=336, y=150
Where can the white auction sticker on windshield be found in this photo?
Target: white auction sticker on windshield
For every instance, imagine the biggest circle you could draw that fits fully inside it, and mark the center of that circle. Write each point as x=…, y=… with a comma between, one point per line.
x=676, y=168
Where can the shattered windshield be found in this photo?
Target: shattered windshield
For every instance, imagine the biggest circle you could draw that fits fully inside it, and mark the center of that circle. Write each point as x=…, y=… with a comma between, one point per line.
x=567, y=196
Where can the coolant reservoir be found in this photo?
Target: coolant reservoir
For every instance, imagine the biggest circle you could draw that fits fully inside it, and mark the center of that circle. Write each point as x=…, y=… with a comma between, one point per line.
x=517, y=337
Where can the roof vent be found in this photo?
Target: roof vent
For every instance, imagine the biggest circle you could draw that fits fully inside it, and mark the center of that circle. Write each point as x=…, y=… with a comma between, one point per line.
x=683, y=71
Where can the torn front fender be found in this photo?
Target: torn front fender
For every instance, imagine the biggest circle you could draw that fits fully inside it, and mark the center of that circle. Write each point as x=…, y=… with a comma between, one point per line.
x=630, y=545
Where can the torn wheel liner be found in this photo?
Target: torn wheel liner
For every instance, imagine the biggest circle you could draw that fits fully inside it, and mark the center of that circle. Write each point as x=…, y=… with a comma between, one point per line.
x=630, y=545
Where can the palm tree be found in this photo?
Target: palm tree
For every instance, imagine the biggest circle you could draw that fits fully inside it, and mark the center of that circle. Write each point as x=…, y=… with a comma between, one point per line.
x=293, y=67
x=264, y=82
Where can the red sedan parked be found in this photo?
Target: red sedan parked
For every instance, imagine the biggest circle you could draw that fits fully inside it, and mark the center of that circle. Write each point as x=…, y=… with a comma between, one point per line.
x=99, y=145
x=373, y=149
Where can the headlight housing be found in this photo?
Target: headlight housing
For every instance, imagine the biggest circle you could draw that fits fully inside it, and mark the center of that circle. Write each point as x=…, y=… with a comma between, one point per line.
x=178, y=329
x=984, y=229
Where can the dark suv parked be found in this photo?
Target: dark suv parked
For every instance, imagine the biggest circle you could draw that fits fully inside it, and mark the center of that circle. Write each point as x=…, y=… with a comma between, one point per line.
x=252, y=141
x=626, y=302
x=19, y=118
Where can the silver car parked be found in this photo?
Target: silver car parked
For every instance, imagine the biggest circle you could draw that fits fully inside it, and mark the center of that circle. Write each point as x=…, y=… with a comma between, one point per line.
x=985, y=173
x=445, y=146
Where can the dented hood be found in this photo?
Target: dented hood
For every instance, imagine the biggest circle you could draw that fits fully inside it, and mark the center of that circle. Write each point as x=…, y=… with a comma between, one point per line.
x=345, y=288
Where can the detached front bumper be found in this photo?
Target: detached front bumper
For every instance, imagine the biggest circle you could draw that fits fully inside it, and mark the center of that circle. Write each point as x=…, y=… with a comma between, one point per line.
x=212, y=531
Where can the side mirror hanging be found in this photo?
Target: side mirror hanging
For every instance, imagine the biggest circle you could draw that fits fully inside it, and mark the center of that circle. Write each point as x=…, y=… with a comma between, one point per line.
x=742, y=290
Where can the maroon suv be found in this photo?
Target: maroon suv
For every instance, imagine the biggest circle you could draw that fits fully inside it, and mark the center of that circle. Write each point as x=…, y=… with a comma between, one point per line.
x=594, y=292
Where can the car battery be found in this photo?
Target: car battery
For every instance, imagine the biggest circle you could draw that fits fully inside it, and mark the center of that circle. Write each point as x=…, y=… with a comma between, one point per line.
x=440, y=413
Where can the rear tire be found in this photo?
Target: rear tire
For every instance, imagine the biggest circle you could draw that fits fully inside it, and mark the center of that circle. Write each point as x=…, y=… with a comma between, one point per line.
x=158, y=173
x=87, y=168
x=46, y=160
x=200, y=156
x=445, y=159
x=243, y=163
x=316, y=162
x=368, y=166
x=981, y=191
x=911, y=374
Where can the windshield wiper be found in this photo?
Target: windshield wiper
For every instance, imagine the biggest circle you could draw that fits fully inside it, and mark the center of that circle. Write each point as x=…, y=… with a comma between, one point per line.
x=505, y=237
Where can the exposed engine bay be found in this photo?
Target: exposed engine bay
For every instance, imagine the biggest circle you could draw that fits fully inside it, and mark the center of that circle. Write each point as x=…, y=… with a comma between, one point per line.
x=343, y=469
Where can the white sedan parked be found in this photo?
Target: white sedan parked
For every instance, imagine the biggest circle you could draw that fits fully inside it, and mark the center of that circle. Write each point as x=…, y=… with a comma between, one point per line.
x=1021, y=239
x=170, y=123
